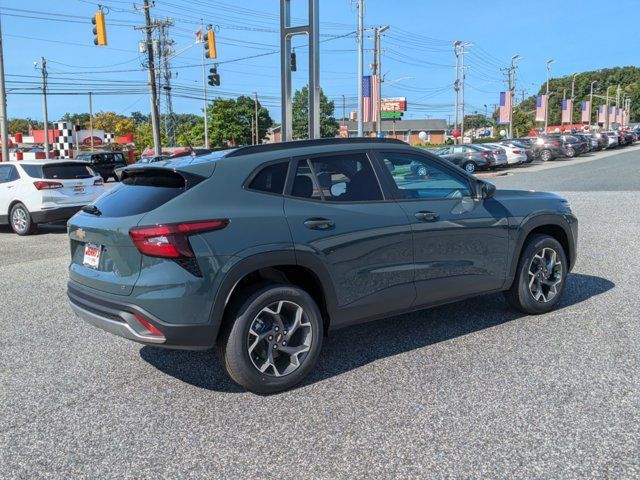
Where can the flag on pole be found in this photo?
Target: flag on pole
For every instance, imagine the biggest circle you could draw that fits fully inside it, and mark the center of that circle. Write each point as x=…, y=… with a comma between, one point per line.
x=375, y=97
x=602, y=118
x=366, y=98
x=567, y=108
x=199, y=35
x=586, y=111
x=505, y=107
x=541, y=108
x=612, y=114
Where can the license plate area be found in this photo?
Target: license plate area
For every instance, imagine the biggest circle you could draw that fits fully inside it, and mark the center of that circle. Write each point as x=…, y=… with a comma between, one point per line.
x=92, y=255
x=78, y=190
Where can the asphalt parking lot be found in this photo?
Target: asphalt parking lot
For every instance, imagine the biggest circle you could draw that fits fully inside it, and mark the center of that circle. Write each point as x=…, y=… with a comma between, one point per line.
x=469, y=390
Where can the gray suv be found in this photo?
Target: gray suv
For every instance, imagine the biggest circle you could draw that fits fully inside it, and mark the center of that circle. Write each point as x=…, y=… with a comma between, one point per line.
x=263, y=250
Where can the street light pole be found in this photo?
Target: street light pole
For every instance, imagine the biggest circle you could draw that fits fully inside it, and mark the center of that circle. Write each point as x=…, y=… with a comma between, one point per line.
x=456, y=88
x=591, y=102
x=546, y=110
x=573, y=88
x=465, y=44
x=379, y=31
x=608, y=113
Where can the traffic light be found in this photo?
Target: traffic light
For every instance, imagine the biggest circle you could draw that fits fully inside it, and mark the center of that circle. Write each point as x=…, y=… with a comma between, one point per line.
x=100, y=29
x=294, y=65
x=214, y=77
x=210, y=45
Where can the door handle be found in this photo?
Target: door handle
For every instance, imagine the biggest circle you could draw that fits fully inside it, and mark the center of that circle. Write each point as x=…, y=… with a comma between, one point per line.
x=427, y=216
x=319, y=223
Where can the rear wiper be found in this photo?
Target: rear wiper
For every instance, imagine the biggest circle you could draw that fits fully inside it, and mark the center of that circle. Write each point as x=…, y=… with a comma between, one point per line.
x=92, y=209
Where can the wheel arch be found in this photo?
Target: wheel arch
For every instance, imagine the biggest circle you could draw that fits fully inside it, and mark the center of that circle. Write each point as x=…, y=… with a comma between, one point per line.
x=308, y=274
x=553, y=225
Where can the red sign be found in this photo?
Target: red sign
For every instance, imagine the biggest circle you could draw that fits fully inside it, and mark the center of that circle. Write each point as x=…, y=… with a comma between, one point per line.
x=96, y=141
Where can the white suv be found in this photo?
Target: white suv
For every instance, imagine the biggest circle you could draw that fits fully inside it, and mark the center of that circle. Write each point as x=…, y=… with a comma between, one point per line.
x=33, y=192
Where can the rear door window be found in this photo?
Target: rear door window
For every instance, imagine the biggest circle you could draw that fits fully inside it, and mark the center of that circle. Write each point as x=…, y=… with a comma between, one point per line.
x=337, y=178
x=8, y=173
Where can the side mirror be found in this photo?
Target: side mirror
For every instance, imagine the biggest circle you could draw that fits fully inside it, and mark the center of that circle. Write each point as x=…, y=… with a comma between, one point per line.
x=485, y=190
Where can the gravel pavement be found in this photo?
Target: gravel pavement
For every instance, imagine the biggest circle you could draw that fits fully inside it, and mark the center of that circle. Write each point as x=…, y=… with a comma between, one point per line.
x=469, y=390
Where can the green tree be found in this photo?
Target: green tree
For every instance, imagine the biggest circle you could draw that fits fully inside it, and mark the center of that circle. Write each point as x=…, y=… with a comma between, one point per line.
x=21, y=125
x=230, y=121
x=246, y=108
x=328, y=124
x=522, y=121
x=81, y=119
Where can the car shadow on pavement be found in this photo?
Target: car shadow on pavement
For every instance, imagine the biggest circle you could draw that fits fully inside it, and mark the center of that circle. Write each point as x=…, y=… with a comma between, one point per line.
x=356, y=346
x=43, y=229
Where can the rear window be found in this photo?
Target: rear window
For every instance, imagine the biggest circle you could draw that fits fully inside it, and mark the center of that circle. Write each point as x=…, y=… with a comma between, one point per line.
x=69, y=171
x=141, y=192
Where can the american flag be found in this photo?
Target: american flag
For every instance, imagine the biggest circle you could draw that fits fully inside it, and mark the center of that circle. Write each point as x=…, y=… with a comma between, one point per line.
x=612, y=114
x=601, y=114
x=586, y=111
x=567, y=110
x=366, y=98
x=541, y=108
x=505, y=107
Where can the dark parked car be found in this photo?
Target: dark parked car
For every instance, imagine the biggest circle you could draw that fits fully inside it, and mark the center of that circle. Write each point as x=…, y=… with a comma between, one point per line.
x=468, y=157
x=588, y=143
x=602, y=140
x=262, y=250
x=575, y=145
x=104, y=163
x=549, y=147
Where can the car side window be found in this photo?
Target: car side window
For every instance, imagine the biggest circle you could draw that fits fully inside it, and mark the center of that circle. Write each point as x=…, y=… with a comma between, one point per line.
x=8, y=173
x=346, y=177
x=271, y=179
x=419, y=177
x=459, y=149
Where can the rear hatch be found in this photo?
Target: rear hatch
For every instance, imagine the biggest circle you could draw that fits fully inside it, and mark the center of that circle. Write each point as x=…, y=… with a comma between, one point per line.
x=65, y=183
x=103, y=256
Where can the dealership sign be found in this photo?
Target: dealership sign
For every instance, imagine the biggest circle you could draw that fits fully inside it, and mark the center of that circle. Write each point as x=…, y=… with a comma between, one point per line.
x=396, y=104
x=96, y=140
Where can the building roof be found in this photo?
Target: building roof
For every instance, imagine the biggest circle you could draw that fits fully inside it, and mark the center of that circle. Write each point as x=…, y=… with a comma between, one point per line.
x=431, y=125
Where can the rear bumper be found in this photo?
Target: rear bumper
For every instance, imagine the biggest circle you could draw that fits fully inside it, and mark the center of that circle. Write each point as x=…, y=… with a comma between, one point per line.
x=121, y=319
x=55, y=214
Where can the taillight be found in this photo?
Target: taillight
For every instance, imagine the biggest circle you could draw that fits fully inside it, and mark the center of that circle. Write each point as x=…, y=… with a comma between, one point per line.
x=171, y=241
x=99, y=181
x=42, y=185
x=486, y=155
x=517, y=152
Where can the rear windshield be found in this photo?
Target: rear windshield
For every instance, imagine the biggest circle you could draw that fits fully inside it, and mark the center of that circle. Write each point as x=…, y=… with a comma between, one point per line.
x=141, y=192
x=68, y=171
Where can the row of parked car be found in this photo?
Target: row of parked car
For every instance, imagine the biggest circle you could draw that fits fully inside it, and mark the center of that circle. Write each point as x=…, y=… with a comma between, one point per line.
x=546, y=147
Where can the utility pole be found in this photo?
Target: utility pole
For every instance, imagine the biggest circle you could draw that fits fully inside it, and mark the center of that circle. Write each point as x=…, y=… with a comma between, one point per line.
x=165, y=49
x=512, y=90
x=344, y=110
x=204, y=91
x=44, y=108
x=360, y=65
x=466, y=44
x=256, y=123
x=456, y=88
x=4, y=130
x=91, y=118
x=155, y=119
x=546, y=109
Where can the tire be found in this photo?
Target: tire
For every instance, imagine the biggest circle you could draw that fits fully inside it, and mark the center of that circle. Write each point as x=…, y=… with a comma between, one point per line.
x=243, y=353
x=521, y=296
x=571, y=152
x=470, y=167
x=21, y=221
x=546, y=155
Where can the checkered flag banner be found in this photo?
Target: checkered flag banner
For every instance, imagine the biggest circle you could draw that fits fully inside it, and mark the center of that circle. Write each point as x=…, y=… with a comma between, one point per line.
x=63, y=139
x=109, y=138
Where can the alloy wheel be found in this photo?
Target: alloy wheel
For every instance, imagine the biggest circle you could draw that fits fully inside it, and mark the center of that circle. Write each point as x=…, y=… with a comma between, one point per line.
x=470, y=167
x=19, y=219
x=279, y=338
x=545, y=275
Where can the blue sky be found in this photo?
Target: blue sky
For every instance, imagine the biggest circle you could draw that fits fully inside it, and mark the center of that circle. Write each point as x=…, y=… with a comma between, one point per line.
x=417, y=61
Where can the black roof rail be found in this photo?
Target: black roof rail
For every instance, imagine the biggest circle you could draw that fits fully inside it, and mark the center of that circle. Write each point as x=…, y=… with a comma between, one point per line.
x=273, y=147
